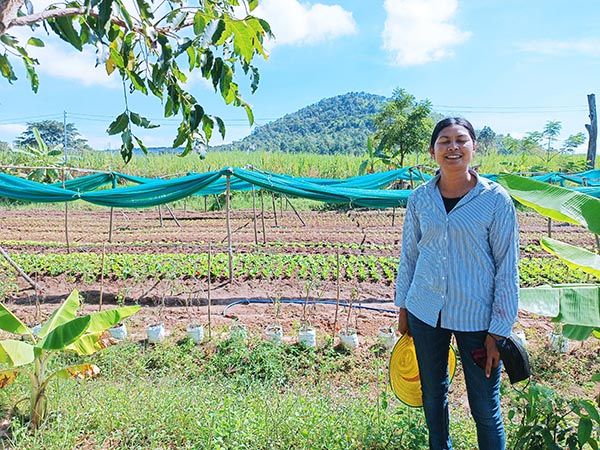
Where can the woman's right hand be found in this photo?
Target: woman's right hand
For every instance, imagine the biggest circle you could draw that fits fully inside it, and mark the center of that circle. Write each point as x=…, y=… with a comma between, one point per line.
x=403, y=321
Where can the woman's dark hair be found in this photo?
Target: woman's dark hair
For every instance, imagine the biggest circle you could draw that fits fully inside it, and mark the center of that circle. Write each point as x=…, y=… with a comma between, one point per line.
x=451, y=121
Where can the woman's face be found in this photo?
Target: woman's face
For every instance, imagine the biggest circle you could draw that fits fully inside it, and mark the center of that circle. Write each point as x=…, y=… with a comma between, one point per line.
x=453, y=148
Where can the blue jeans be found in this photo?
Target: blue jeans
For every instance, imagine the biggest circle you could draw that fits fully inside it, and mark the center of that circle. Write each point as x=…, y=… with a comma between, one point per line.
x=432, y=346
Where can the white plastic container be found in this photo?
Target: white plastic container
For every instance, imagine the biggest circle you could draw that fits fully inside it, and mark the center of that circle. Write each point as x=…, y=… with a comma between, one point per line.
x=559, y=343
x=387, y=337
x=156, y=333
x=119, y=332
x=307, y=336
x=196, y=333
x=274, y=333
x=520, y=335
x=349, y=339
x=36, y=329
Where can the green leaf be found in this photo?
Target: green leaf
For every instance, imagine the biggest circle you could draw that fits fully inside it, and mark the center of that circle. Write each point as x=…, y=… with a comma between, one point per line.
x=596, y=377
x=218, y=31
x=11, y=323
x=119, y=124
x=215, y=73
x=79, y=371
x=104, y=320
x=141, y=121
x=6, y=69
x=228, y=88
x=182, y=134
x=144, y=9
x=16, y=353
x=141, y=145
x=207, y=127
x=199, y=22
x=32, y=75
x=137, y=82
x=63, y=27
x=65, y=334
x=63, y=314
x=243, y=39
x=574, y=257
x=35, y=42
x=591, y=409
x=196, y=117
x=576, y=332
x=88, y=344
x=558, y=203
x=104, y=11
x=125, y=14
x=252, y=4
x=584, y=431
x=221, y=126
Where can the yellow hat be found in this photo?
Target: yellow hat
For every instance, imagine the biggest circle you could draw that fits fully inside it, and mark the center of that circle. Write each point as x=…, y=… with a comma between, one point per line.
x=404, y=371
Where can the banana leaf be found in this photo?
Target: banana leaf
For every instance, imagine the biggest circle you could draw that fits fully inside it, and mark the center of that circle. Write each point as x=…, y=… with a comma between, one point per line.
x=89, y=344
x=65, y=312
x=577, y=332
x=7, y=377
x=79, y=371
x=541, y=300
x=580, y=305
x=558, y=203
x=103, y=320
x=574, y=257
x=11, y=323
x=16, y=353
x=65, y=334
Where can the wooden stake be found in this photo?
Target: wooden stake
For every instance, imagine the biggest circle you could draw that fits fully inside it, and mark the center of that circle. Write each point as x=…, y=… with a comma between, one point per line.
x=102, y=277
x=160, y=217
x=209, y=298
x=549, y=227
x=295, y=212
x=262, y=216
x=112, y=213
x=228, y=220
x=592, y=129
x=393, y=216
x=597, y=243
x=337, y=292
x=205, y=204
x=64, y=177
x=274, y=208
x=172, y=215
x=254, y=215
x=19, y=270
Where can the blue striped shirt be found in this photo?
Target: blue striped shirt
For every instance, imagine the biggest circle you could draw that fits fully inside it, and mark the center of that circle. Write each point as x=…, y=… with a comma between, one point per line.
x=460, y=266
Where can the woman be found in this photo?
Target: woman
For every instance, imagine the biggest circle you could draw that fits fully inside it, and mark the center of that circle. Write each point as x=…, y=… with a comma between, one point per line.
x=458, y=275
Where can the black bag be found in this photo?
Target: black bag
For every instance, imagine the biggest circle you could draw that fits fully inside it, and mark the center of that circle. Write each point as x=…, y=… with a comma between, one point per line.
x=515, y=359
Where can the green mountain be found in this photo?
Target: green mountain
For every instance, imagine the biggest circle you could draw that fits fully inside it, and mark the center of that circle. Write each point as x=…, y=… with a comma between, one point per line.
x=333, y=125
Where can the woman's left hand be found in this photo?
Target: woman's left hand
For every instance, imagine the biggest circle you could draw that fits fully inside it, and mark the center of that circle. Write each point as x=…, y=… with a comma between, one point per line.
x=493, y=355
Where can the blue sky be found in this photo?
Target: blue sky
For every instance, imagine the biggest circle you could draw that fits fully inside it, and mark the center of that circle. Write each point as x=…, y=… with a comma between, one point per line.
x=509, y=64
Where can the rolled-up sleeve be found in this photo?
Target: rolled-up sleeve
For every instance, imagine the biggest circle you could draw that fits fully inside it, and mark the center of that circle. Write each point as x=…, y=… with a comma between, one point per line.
x=504, y=243
x=409, y=253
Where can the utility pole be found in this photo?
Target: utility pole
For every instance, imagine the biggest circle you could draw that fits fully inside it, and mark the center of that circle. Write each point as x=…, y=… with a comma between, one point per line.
x=592, y=129
x=64, y=173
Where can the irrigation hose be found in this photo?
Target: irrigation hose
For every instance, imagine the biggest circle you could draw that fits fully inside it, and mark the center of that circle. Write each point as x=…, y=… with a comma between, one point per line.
x=301, y=302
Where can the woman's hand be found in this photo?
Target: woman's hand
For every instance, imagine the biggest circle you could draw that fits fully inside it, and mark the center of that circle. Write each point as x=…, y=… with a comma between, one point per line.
x=493, y=355
x=403, y=321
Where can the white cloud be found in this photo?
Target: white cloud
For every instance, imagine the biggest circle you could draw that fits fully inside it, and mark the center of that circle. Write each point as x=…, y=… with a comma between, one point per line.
x=59, y=61
x=12, y=129
x=585, y=47
x=420, y=31
x=293, y=22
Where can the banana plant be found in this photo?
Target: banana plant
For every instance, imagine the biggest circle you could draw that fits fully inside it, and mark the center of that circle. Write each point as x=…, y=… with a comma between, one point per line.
x=64, y=331
x=568, y=206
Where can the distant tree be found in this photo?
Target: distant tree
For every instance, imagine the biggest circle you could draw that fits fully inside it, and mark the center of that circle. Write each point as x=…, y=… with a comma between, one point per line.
x=509, y=145
x=486, y=140
x=573, y=141
x=403, y=126
x=52, y=133
x=4, y=146
x=531, y=143
x=146, y=44
x=550, y=133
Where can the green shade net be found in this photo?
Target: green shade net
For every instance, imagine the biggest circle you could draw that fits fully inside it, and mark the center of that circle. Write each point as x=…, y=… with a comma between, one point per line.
x=361, y=191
